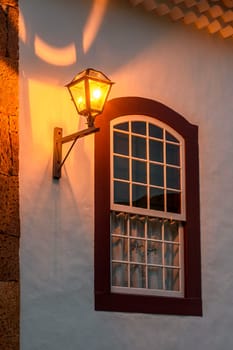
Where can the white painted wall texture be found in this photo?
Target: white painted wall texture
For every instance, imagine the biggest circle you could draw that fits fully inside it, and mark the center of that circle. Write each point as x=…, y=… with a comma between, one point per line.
x=189, y=71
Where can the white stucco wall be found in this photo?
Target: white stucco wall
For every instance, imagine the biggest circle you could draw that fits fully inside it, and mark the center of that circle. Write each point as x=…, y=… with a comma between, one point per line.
x=189, y=71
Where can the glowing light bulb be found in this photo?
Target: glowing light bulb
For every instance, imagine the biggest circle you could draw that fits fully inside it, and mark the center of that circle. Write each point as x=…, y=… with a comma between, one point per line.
x=96, y=93
x=80, y=101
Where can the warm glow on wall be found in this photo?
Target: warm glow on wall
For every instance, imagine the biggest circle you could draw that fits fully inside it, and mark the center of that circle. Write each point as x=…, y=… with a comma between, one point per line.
x=22, y=28
x=46, y=103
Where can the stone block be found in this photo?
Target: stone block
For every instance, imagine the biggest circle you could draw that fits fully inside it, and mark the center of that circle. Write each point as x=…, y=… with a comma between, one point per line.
x=13, y=3
x=9, y=145
x=14, y=124
x=3, y=32
x=9, y=315
x=9, y=343
x=9, y=258
x=12, y=44
x=9, y=208
x=14, y=153
x=9, y=86
x=5, y=146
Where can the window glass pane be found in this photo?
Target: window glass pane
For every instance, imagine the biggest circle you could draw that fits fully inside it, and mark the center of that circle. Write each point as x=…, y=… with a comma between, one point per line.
x=139, y=171
x=119, y=248
x=173, y=178
x=155, y=131
x=173, y=154
x=170, y=137
x=154, y=252
x=121, y=193
x=137, y=250
x=156, y=175
x=156, y=151
x=171, y=232
x=139, y=128
x=121, y=168
x=156, y=199
x=102, y=89
x=171, y=254
x=139, y=147
x=155, y=277
x=159, y=254
x=119, y=275
x=172, y=279
x=122, y=126
x=173, y=202
x=139, y=196
x=118, y=223
x=121, y=143
x=137, y=226
x=137, y=276
x=154, y=229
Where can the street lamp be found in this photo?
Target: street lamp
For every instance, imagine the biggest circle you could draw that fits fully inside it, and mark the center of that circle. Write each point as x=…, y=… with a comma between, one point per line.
x=89, y=91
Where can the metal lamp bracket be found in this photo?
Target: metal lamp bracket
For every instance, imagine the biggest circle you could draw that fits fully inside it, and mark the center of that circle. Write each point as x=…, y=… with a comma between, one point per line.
x=58, y=141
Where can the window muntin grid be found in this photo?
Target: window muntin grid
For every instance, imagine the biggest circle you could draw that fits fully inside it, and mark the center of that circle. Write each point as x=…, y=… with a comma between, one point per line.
x=147, y=162
x=146, y=255
x=147, y=165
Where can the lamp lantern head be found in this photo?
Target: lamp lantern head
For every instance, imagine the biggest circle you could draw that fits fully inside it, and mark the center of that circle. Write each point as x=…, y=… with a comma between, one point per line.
x=89, y=91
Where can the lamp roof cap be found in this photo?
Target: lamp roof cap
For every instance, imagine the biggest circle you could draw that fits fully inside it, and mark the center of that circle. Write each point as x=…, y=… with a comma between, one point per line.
x=93, y=74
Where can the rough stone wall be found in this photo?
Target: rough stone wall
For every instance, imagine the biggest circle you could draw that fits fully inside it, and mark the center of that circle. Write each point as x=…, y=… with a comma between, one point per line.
x=9, y=191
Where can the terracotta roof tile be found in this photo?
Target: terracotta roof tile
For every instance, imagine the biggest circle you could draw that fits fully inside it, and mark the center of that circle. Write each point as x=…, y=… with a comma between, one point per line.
x=216, y=16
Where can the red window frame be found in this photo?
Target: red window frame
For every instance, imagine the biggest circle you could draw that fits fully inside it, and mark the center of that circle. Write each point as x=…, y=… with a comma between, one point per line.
x=105, y=300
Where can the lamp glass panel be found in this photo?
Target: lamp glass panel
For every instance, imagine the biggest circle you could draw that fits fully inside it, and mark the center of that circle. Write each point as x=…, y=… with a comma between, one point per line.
x=98, y=94
x=78, y=94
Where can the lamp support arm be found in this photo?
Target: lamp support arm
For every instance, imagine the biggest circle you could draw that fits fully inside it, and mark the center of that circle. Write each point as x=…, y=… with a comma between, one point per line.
x=58, y=141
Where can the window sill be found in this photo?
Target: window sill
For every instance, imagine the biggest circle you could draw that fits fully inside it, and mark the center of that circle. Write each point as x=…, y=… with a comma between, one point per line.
x=147, y=304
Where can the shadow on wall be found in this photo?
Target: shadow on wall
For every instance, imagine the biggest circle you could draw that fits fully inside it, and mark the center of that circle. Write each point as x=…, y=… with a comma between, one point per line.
x=88, y=35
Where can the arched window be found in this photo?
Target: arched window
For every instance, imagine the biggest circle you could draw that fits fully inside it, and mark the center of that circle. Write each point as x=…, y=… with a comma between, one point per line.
x=147, y=235
x=147, y=206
